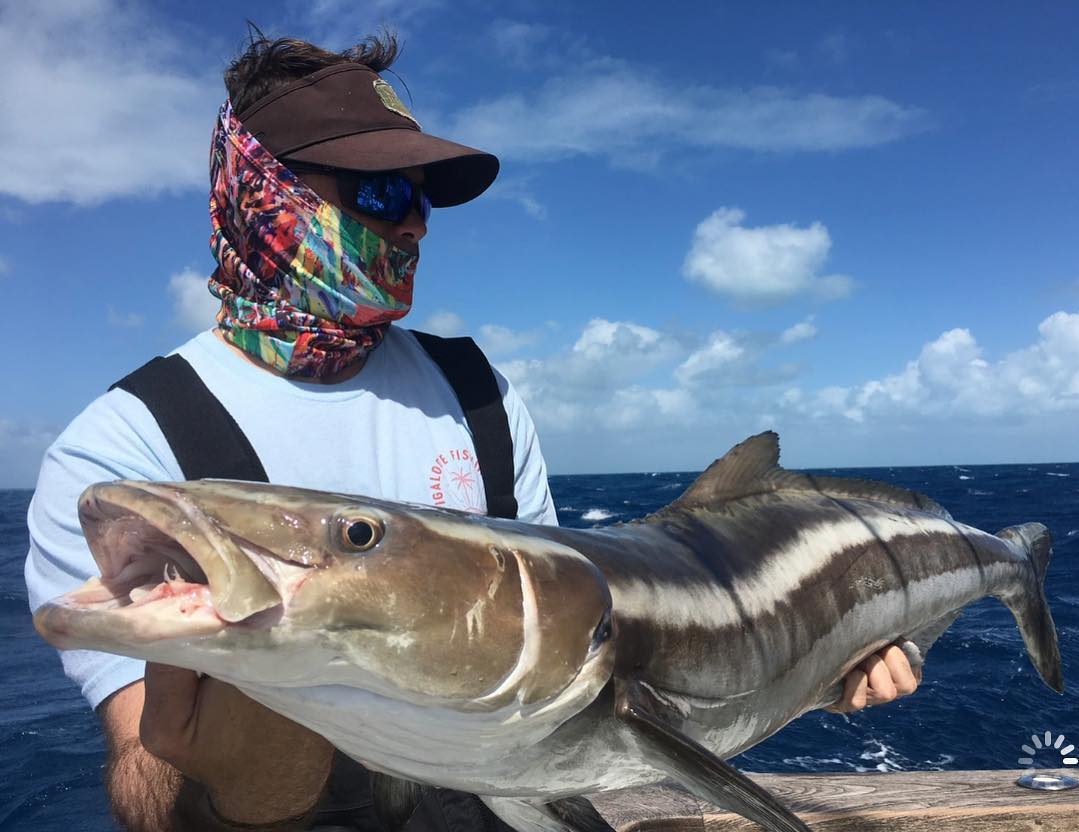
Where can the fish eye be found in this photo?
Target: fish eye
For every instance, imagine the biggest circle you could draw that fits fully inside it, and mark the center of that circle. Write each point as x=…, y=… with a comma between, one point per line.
x=602, y=633
x=361, y=534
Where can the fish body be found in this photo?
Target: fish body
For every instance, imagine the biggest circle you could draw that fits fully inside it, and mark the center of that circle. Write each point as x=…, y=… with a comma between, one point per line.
x=529, y=664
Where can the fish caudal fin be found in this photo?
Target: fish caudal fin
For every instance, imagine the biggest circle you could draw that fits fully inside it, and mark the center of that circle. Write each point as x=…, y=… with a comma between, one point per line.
x=1028, y=603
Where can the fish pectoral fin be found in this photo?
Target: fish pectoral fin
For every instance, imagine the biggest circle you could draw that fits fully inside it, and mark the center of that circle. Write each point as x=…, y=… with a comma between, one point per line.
x=570, y=814
x=578, y=813
x=697, y=768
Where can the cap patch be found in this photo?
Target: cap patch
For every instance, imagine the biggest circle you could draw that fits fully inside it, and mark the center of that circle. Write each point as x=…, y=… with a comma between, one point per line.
x=388, y=96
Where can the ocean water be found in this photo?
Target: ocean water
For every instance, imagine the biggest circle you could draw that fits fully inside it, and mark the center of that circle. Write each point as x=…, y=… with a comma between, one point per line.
x=979, y=702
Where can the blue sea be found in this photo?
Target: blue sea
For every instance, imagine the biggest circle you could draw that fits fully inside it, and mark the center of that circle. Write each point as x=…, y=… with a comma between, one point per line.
x=979, y=702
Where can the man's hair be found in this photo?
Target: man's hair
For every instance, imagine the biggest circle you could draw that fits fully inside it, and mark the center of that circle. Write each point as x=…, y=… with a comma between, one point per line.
x=268, y=64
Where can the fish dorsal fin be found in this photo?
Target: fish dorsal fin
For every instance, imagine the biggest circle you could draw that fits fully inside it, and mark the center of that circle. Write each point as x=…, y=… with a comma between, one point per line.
x=743, y=471
x=752, y=467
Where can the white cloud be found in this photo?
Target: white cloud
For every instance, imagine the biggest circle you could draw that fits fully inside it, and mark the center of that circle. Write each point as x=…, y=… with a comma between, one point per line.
x=720, y=354
x=194, y=308
x=518, y=42
x=602, y=337
x=602, y=405
x=130, y=320
x=598, y=377
x=801, y=331
x=628, y=114
x=518, y=191
x=98, y=103
x=500, y=340
x=627, y=375
x=767, y=264
x=445, y=323
x=951, y=378
x=493, y=339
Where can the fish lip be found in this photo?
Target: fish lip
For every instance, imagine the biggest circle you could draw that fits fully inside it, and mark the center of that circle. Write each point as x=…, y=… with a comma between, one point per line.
x=237, y=586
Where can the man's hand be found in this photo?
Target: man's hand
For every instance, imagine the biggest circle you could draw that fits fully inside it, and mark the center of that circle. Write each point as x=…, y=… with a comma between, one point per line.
x=257, y=766
x=883, y=677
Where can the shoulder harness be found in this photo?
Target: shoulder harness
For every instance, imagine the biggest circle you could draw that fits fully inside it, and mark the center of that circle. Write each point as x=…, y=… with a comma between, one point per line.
x=207, y=441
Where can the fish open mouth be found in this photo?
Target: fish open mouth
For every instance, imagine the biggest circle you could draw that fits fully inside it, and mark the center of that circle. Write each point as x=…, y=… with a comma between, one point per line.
x=168, y=569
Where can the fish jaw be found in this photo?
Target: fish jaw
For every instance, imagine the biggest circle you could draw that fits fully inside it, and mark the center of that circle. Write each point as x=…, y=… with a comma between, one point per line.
x=169, y=571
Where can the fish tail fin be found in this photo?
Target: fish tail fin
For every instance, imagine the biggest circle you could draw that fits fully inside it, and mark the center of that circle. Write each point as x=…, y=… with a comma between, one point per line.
x=1029, y=606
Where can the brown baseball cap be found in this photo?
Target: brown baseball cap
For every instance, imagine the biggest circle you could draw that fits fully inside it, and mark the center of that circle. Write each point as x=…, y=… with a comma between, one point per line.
x=346, y=116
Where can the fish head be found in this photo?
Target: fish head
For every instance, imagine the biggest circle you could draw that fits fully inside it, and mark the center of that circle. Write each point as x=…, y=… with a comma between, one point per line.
x=279, y=587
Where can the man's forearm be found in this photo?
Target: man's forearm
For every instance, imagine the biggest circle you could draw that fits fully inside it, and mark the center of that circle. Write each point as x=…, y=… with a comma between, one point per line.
x=149, y=795
x=142, y=789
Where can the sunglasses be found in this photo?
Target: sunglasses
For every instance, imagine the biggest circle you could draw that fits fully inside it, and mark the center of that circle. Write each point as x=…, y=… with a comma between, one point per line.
x=387, y=196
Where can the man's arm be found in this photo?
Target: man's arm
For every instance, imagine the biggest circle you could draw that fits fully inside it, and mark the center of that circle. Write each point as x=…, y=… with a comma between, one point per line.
x=175, y=731
x=142, y=789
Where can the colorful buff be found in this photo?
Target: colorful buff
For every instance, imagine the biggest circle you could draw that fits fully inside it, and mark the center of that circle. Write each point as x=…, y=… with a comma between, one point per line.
x=303, y=286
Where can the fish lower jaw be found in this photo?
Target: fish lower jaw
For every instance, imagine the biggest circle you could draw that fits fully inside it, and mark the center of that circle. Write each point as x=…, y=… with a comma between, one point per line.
x=103, y=615
x=92, y=619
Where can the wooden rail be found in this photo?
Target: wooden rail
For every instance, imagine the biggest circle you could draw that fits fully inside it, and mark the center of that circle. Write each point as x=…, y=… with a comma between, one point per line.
x=922, y=801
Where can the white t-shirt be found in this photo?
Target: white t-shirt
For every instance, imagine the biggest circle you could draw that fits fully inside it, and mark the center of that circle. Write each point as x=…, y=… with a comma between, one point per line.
x=394, y=431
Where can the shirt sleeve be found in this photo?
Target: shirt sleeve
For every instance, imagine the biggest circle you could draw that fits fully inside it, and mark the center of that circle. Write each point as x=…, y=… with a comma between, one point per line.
x=114, y=438
x=530, y=486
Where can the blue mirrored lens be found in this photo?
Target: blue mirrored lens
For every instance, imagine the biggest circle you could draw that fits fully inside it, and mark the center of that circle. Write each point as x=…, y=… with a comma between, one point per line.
x=390, y=197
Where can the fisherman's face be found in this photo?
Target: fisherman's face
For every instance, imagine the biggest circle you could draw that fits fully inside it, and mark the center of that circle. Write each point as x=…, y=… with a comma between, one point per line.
x=405, y=234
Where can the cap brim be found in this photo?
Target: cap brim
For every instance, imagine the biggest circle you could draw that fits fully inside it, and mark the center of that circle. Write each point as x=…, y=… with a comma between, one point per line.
x=453, y=173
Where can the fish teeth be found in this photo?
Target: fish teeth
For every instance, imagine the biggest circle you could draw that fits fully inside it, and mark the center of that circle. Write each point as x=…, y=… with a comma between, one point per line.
x=141, y=593
x=172, y=574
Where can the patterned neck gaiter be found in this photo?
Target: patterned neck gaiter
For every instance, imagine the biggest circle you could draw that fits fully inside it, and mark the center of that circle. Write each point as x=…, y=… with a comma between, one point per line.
x=303, y=286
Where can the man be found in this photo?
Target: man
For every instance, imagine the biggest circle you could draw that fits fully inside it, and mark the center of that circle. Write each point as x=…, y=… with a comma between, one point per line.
x=321, y=185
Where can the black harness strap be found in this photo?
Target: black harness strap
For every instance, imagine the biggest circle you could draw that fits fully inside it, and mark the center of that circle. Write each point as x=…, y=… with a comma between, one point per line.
x=472, y=379
x=207, y=441
x=203, y=435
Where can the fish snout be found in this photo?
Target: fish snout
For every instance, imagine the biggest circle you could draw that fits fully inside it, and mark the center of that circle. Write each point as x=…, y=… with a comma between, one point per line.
x=138, y=531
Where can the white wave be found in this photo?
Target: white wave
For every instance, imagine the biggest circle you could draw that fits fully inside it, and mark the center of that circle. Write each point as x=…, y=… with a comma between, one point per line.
x=1056, y=474
x=885, y=757
x=941, y=764
x=813, y=763
x=594, y=515
x=965, y=477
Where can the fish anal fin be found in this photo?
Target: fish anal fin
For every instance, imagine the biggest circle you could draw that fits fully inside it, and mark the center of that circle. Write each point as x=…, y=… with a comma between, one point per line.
x=695, y=767
x=752, y=467
x=579, y=814
x=570, y=814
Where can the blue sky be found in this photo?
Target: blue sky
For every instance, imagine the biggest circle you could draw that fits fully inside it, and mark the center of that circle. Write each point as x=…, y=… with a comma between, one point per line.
x=852, y=223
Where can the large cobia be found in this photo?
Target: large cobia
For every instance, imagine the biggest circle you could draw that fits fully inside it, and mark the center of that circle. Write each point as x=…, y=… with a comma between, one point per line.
x=531, y=664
